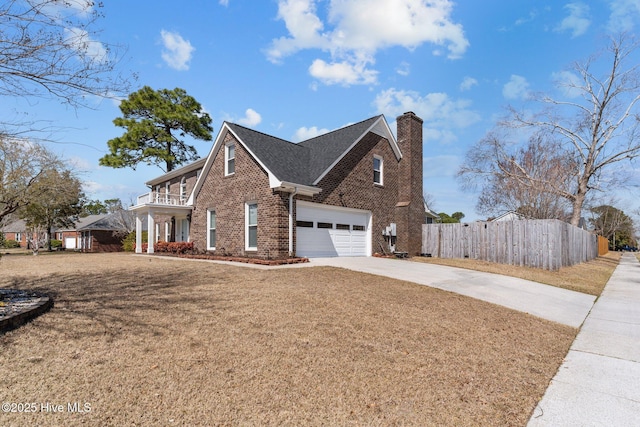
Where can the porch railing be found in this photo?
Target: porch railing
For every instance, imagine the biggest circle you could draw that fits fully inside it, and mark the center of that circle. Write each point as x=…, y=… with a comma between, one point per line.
x=154, y=197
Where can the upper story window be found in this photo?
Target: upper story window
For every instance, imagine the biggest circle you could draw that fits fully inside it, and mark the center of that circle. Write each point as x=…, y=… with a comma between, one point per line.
x=167, y=191
x=157, y=194
x=183, y=189
x=229, y=159
x=377, y=170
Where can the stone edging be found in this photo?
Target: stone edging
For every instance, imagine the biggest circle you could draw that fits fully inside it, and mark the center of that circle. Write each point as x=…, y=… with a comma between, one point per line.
x=19, y=306
x=246, y=260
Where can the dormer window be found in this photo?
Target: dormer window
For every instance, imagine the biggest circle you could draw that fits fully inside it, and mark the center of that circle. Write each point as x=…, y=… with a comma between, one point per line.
x=229, y=159
x=377, y=170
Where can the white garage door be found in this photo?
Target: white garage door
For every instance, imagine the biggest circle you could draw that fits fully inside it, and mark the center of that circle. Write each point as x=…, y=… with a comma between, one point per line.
x=328, y=231
x=70, y=242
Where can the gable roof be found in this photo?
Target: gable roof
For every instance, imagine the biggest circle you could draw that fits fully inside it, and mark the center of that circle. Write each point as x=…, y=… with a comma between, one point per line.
x=177, y=172
x=108, y=222
x=302, y=165
x=286, y=160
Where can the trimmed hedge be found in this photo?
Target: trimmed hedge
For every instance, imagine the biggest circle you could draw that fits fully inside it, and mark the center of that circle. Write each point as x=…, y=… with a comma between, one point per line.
x=168, y=247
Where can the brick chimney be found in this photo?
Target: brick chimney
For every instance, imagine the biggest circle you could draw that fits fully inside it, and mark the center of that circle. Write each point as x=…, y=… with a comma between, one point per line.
x=410, y=205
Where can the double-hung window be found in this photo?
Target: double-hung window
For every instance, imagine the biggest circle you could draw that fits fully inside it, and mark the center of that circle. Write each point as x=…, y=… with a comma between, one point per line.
x=251, y=232
x=229, y=159
x=183, y=190
x=377, y=170
x=211, y=225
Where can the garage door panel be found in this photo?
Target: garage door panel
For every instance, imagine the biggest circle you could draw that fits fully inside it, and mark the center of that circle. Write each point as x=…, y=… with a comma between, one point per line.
x=314, y=243
x=339, y=240
x=70, y=243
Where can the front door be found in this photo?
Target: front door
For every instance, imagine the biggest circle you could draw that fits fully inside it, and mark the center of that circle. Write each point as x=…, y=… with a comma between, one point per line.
x=183, y=230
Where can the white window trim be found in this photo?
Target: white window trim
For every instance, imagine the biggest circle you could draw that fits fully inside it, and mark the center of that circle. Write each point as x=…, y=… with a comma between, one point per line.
x=209, y=246
x=226, y=159
x=183, y=189
x=167, y=190
x=375, y=156
x=246, y=227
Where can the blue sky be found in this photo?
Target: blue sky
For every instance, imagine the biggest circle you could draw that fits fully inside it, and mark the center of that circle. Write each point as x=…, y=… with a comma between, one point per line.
x=297, y=68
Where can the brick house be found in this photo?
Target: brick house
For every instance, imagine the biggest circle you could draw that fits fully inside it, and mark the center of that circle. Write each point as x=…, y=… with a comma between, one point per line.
x=350, y=192
x=16, y=230
x=104, y=234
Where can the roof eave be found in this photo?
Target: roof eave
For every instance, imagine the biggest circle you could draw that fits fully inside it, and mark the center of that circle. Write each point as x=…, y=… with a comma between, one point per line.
x=292, y=187
x=379, y=127
x=177, y=172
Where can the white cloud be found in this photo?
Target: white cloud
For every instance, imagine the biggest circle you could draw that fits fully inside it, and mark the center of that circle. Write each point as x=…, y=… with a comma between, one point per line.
x=468, y=83
x=624, y=15
x=355, y=30
x=224, y=2
x=442, y=115
x=516, y=88
x=304, y=133
x=177, y=51
x=404, y=69
x=568, y=83
x=79, y=164
x=344, y=73
x=577, y=22
x=251, y=118
x=84, y=45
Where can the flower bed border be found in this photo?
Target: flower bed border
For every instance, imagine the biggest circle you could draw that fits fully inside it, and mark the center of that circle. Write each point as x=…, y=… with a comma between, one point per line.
x=246, y=260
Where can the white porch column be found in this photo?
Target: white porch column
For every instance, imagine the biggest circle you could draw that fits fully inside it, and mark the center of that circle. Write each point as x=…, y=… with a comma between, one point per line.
x=138, y=234
x=151, y=229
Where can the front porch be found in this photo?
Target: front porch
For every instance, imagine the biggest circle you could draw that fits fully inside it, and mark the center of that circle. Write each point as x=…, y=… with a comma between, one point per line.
x=153, y=204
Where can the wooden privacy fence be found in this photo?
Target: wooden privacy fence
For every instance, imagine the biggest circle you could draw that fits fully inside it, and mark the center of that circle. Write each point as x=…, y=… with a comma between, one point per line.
x=603, y=245
x=547, y=244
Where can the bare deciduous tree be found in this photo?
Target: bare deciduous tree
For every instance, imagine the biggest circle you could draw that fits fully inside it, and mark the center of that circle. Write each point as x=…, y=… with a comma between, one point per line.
x=595, y=126
x=50, y=49
x=22, y=163
x=534, y=180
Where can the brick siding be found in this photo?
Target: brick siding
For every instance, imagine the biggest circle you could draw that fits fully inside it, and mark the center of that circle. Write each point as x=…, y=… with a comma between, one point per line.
x=227, y=195
x=353, y=178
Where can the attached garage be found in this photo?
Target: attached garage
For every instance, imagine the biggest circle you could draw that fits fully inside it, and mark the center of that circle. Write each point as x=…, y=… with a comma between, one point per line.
x=332, y=231
x=70, y=243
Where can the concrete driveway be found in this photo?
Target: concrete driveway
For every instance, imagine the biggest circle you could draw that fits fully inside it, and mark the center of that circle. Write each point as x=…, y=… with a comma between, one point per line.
x=548, y=302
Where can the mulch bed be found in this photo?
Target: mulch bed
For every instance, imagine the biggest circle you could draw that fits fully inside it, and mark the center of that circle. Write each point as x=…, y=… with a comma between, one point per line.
x=246, y=260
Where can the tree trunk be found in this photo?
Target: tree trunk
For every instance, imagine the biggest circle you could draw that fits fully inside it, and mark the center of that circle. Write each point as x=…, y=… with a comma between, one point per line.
x=578, y=202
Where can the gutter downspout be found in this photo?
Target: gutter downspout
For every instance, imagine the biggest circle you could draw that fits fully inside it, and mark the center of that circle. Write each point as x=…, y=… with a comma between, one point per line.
x=291, y=196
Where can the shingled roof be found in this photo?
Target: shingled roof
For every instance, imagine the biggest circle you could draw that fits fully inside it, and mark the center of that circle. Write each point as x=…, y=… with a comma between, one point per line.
x=304, y=162
x=302, y=165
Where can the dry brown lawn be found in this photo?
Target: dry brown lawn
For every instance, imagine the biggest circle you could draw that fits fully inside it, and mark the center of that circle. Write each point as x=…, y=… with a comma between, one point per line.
x=152, y=341
x=589, y=277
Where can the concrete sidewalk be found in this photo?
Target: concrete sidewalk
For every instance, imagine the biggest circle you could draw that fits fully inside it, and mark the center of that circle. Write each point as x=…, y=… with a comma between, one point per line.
x=599, y=382
x=548, y=302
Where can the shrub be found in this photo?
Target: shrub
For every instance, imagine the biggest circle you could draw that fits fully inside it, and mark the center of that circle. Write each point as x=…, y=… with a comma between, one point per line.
x=55, y=243
x=10, y=244
x=129, y=242
x=173, y=247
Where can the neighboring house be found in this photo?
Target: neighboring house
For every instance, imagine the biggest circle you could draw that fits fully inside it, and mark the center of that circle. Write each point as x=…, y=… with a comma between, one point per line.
x=350, y=192
x=508, y=216
x=105, y=234
x=16, y=230
x=430, y=217
x=70, y=236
